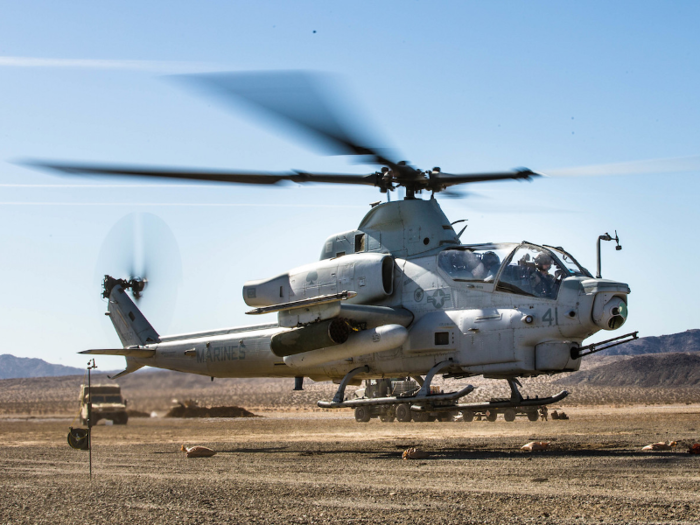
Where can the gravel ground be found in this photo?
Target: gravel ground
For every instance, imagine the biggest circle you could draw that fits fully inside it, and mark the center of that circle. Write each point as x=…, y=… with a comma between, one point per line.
x=326, y=468
x=150, y=390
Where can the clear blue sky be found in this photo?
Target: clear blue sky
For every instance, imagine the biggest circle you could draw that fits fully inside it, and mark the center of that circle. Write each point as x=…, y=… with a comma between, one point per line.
x=468, y=86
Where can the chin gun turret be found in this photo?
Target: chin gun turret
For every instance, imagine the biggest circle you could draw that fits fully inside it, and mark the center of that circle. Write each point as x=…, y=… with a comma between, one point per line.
x=609, y=312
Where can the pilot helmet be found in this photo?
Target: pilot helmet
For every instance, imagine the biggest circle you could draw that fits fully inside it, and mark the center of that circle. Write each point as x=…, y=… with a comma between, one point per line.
x=490, y=259
x=542, y=259
x=456, y=258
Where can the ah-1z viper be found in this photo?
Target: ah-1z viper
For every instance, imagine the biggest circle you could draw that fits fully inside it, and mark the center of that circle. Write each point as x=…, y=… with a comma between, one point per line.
x=398, y=296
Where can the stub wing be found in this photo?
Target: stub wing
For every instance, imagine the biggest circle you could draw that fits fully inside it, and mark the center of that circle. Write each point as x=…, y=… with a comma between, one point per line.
x=304, y=303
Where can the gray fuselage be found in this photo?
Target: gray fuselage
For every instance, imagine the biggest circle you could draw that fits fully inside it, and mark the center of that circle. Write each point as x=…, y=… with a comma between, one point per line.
x=482, y=325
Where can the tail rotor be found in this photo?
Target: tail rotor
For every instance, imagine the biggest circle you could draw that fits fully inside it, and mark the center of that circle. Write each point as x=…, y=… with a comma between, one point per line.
x=140, y=253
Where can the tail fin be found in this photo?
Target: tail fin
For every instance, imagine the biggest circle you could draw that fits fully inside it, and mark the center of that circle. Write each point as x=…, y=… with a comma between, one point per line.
x=132, y=327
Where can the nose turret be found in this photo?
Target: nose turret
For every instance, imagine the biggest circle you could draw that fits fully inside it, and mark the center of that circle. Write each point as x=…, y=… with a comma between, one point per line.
x=609, y=310
x=609, y=314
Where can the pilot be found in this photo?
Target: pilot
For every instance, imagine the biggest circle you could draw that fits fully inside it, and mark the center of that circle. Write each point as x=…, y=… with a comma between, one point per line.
x=543, y=283
x=461, y=264
x=492, y=263
x=456, y=262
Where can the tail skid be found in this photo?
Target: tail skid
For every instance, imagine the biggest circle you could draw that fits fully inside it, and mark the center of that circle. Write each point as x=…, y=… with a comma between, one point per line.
x=130, y=367
x=128, y=353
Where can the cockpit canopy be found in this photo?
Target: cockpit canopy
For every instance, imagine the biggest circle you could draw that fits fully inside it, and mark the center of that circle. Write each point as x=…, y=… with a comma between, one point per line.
x=571, y=264
x=479, y=263
x=525, y=269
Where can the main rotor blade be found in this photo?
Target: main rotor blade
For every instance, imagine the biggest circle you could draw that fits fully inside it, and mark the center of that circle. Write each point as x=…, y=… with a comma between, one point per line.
x=439, y=181
x=235, y=177
x=640, y=167
x=299, y=98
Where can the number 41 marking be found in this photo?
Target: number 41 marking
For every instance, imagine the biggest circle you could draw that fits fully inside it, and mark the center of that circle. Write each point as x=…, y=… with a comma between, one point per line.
x=547, y=317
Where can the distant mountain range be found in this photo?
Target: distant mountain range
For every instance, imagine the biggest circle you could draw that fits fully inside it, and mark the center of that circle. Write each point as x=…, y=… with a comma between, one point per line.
x=688, y=341
x=665, y=370
x=12, y=367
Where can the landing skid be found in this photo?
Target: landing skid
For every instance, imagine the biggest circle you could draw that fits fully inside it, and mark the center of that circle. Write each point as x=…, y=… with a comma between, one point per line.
x=436, y=398
x=422, y=395
x=423, y=401
x=506, y=403
x=516, y=400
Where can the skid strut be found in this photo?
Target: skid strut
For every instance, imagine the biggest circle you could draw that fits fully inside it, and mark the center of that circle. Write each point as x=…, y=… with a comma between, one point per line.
x=425, y=387
x=515, y=395
x=422, y=395
x=339, y=396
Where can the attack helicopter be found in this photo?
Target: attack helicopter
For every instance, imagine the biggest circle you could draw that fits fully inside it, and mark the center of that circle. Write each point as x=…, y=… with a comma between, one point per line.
x=399, y=296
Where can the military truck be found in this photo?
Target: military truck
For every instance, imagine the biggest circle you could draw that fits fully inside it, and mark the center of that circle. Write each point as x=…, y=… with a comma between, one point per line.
x=107, y=403
x=400, y=389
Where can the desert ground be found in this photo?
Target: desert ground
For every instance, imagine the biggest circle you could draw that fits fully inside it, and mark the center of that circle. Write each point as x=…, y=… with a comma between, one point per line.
x=297, y=464
x=602, y=381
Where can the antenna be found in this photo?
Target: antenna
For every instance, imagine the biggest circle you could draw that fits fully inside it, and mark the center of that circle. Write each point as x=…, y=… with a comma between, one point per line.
x=459, y=235
x=606, y=237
